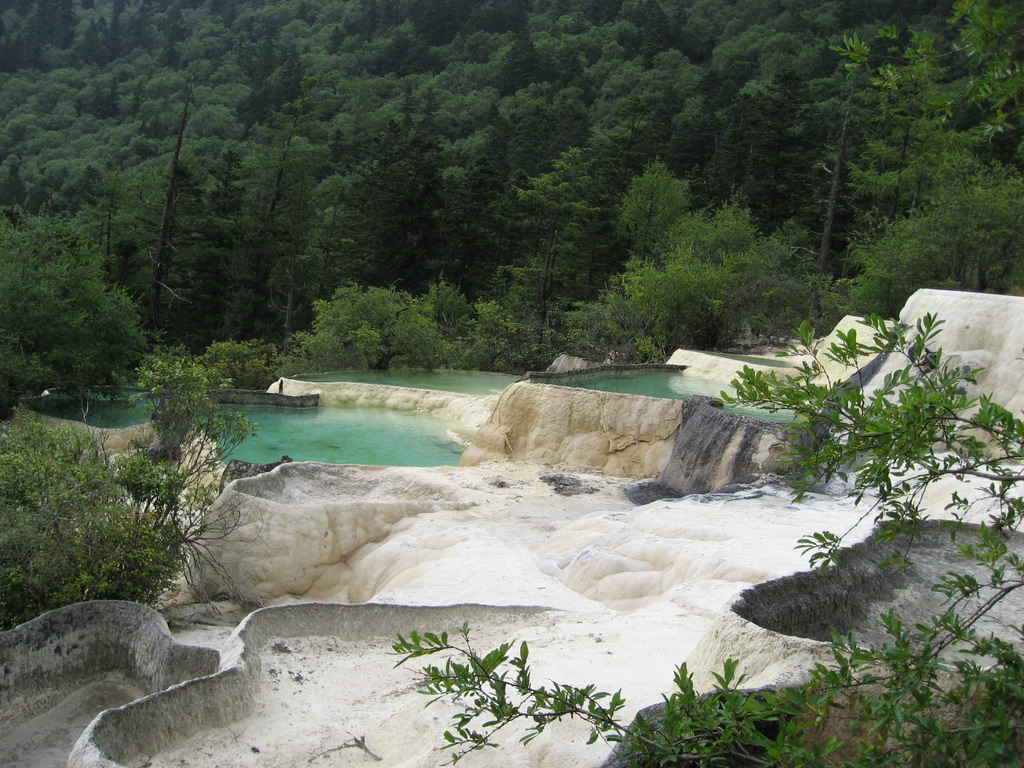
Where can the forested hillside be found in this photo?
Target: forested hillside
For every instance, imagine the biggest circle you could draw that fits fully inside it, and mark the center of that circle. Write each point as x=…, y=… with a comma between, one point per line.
x=486, y=183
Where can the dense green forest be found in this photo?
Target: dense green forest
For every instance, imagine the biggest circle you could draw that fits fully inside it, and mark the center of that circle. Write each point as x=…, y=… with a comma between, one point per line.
x=487, y=183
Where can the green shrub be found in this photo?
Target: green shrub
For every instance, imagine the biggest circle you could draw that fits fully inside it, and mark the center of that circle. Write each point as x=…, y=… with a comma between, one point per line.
x=69, y=530
x=243, y=364
x=368, y=328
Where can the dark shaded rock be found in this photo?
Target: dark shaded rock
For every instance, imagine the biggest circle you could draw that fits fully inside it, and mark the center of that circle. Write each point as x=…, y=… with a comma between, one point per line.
x=852, y=594
x=172, y=429
x=566, y=485
x=567, y=376
x=259, y=397
x=237, y=468
x=820, y=429
x=648, y=492
x=749, y=485
x=713, y=448
x=164, y=452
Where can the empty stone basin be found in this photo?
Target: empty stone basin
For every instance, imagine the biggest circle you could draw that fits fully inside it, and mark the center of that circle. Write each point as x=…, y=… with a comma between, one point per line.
x=781, y=628
x=269, y=693
x=58, y=671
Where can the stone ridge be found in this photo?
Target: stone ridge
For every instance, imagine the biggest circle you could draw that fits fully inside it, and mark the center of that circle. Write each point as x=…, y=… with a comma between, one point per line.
x=117, y=737
x=578, y=430
x=44, y=659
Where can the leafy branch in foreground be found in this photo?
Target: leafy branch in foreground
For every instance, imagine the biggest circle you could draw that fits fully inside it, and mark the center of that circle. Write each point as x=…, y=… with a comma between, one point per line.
x=728, y=726
x=895, y=439
x=941, y=690
x=497, y=689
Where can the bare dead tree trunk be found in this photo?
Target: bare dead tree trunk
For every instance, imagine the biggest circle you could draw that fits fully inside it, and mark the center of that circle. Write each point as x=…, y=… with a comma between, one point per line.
x=164, y=245
x=833, y=204
x=289, y=306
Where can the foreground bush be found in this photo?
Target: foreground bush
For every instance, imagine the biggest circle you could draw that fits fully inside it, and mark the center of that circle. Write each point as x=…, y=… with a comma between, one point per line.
x=69, y=529
x=78, y=524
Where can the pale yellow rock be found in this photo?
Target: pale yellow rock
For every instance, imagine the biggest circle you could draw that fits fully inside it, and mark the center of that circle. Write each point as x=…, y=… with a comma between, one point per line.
x=702, y=365
x=980, y=330
x=723, y=369
x=578, y=430
x=470, y=410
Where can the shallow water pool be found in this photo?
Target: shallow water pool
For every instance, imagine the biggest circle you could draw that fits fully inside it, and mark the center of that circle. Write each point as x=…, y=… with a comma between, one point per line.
x=335, y=435
x=112, y=409
x=464, y=382
x=670, y=384
x=348, y=435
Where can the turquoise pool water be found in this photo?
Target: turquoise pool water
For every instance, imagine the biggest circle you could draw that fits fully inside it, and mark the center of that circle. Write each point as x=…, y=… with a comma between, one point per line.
x=670, y=384
x=110, y=410
x=348, y=435
x=464, y=382
x=336, y=435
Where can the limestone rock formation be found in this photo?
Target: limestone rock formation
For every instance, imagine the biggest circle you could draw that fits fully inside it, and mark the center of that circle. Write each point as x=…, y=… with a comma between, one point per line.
x=724, y=369
x=127, y=736
x=982, y=331
x=780, y=628
x=704, y=365
x=301, y=524
x=565, y=363
x=78, y=660
x=714, y=447
x=579, y=430
x=471, y=410
x=258, y=397
x=236, y=469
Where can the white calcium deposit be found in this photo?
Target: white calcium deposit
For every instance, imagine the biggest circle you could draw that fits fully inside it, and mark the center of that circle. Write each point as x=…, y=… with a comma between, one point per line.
x=471, y=410
x=580, y=430
x=634, y=587
x=632, y=591
x=980, y=330
x=720, y=368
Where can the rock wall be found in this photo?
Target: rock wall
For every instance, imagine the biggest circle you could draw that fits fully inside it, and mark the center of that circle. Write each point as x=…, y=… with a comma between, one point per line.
x=468, y=409
x=579, y=430
x=43, y=660
x=779, y=629
x=714, y=447
x=256, y=397
x=556, y=373
x=982, y=331
x=128, y=734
